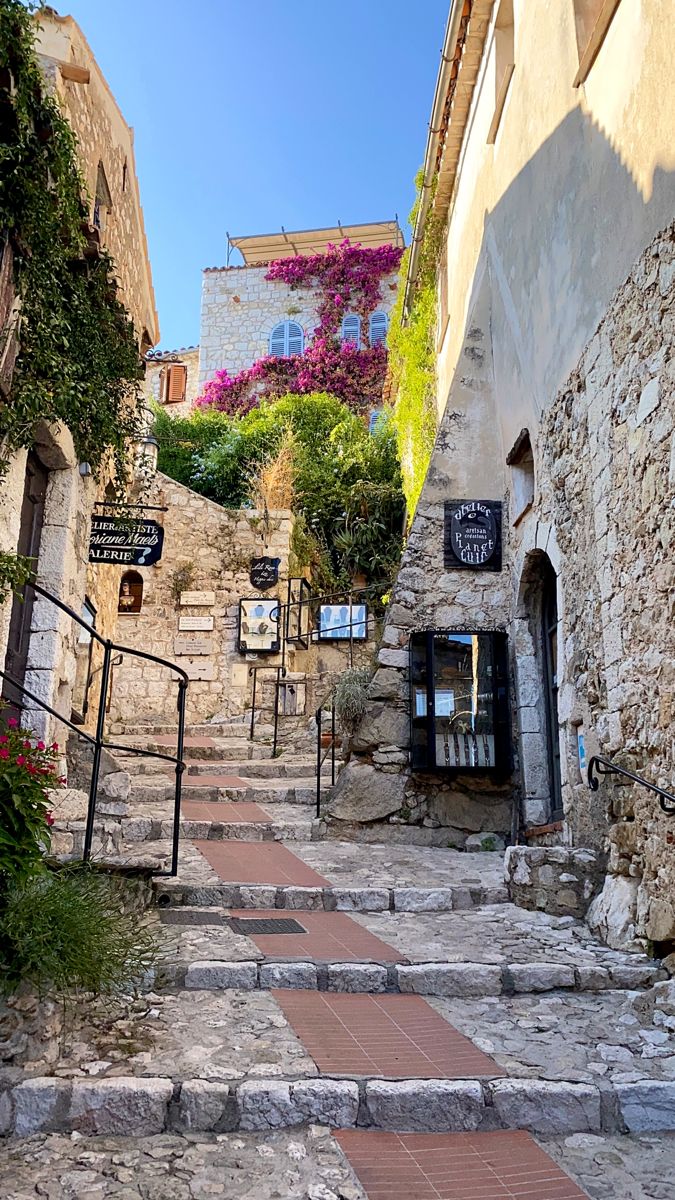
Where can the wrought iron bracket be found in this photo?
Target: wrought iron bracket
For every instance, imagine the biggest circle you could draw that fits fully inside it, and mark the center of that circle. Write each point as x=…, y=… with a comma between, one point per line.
x=599, y=766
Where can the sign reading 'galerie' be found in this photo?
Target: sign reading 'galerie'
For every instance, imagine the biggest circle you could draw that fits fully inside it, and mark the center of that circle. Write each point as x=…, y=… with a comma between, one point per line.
x=137, y=543
x=473, y=535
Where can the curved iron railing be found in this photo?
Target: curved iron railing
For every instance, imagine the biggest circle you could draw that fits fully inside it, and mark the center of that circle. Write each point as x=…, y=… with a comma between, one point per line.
x=599, y=766
x=97, y=740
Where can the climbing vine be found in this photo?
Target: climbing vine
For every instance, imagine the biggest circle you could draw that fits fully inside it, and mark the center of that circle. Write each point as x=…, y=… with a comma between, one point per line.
x=348, y=279
x=78, y=359
x=412, y=362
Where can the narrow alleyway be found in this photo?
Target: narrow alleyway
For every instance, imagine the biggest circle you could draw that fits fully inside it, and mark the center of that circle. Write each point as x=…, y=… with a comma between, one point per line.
x=335, y=1021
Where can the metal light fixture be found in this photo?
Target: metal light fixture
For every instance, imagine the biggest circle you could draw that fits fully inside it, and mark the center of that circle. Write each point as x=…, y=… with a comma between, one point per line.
x=147, y=452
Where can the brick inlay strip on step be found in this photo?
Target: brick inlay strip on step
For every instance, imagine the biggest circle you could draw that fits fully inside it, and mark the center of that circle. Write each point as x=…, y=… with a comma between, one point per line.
x=224, y=811
x=258, y=863
x=455, y=1166
x=330, y=937
x=391, y=1035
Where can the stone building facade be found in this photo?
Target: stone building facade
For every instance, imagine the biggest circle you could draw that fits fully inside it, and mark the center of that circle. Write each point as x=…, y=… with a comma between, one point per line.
x=240, y=307
x=172, y=379
x=64, y=491
x=551, y=166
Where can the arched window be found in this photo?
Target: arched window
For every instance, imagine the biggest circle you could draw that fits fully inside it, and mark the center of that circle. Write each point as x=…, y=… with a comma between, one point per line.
x=377, y=328
x=131, y=593
x=351, y=330
x=286, y=340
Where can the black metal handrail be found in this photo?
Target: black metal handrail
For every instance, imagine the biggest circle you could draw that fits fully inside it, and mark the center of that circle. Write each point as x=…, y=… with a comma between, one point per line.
x=599, y=766
x=97, y=740
x=320, y=759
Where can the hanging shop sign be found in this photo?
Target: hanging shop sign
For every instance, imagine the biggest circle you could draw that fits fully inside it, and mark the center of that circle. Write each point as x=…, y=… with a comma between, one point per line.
x=264, y=573
x=473, y=535
x=136, y=543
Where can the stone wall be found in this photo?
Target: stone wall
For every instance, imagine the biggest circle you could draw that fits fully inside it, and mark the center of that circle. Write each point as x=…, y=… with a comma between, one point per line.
x=608, y=466
x=240, y=308
x=215, y=545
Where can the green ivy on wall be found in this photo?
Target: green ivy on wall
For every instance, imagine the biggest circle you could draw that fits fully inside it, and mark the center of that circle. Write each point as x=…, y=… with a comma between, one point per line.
x=78, y=360
x=412, y=362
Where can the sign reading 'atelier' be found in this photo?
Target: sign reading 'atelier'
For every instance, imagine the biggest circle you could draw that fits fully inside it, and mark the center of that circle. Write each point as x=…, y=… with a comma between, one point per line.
x=473, y=535
x=136, y=543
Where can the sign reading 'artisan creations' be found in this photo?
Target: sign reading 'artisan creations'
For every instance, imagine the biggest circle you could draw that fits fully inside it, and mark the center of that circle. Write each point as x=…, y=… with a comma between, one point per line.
x=138, y=543
x=473, y=535
x=264, y=573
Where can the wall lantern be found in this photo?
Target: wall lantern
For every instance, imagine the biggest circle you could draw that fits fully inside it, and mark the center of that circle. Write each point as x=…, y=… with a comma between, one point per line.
x=459, y=707
x=146, y=455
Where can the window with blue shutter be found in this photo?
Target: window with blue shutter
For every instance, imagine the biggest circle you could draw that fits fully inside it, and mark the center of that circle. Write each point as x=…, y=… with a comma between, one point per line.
x=286, y=340
x=377, y=328
x=351, y=330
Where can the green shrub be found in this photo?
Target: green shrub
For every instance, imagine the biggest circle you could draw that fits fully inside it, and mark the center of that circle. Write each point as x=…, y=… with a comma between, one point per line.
x=66, y=931
x=347, y=482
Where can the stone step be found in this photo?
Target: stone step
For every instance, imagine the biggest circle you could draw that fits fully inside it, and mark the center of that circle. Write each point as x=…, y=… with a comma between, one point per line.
x=180, y=891
x=205, y=1061
x=249, y=791
x=489, y=951
x=297, y=767
x=203, y=749
x=227, y=729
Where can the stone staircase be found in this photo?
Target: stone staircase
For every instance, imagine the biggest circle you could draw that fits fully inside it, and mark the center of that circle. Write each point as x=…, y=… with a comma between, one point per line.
x=391, y=994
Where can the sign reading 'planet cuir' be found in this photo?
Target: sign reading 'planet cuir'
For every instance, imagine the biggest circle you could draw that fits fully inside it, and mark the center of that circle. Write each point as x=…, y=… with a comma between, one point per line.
x=473, y=535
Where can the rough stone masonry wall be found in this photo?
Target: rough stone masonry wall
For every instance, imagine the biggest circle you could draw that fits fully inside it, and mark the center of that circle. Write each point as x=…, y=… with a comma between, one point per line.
x=608, y=467
x=218, y=545
x=377, y=782
x=240, y=308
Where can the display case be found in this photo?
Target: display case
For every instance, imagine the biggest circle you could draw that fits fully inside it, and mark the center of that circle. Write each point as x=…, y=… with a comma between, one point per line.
x=459, y=707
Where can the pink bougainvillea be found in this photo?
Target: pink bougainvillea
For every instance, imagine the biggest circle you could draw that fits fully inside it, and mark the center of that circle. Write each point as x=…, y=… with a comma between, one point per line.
x=348, y=279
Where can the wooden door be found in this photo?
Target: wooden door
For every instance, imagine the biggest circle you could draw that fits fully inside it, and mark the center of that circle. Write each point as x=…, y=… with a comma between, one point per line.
x=32, y=515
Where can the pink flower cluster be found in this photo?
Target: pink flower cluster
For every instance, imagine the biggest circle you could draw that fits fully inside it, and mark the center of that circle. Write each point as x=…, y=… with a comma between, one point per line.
x=349, y=279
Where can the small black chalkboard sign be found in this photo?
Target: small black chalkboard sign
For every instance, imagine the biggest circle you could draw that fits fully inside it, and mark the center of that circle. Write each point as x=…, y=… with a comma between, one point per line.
x=264, y=573
x=473, y=535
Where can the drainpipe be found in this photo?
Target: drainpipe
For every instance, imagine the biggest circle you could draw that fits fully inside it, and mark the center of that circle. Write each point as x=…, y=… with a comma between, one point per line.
x=433, y=138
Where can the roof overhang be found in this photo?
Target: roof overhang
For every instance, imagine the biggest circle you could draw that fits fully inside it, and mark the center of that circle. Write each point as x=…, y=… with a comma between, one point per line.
x=463, y=47
x=265, y=247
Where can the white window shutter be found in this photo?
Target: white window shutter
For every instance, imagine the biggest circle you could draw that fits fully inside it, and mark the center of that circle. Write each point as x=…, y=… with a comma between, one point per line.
x=377, y=330
x=294, y=338
x=351, y=329
x=278, y=340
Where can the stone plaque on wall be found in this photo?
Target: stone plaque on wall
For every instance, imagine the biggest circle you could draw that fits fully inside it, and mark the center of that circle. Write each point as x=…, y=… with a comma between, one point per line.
x=192, y=646
x=200, y=670
x=472, y=538
x=204, y=598
x=194, y=623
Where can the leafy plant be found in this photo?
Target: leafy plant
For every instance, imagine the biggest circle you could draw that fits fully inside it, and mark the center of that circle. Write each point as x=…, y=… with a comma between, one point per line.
x=346, y=481
x=78, y=359
x=412, y=362
x=66, y=931
x=27, y=769
x=351, y=696
x=15, y=570
x=182, y=579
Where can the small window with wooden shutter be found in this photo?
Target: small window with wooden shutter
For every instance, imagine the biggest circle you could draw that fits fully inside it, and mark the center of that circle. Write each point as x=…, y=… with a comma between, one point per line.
x=172, y=384
x=351, y=330
x=592, y=19
x=286, y=340
x=377, y=328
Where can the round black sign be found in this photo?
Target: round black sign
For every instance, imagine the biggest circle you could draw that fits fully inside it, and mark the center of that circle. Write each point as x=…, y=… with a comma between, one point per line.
x=473, y=533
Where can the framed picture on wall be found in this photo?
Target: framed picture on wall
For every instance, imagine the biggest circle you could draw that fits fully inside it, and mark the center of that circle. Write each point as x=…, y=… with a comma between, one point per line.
x=259, y=626
x=342, y=622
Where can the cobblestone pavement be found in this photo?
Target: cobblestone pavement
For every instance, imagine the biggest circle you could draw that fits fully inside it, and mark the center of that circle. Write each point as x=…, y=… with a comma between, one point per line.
x=188, y=1035
x=345, y=863
x=564, y=1036
x=304, y=1165
x=618, y=1168
x=494, y=934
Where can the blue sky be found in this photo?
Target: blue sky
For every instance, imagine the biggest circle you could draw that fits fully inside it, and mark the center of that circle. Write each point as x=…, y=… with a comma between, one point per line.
x=252, y=114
